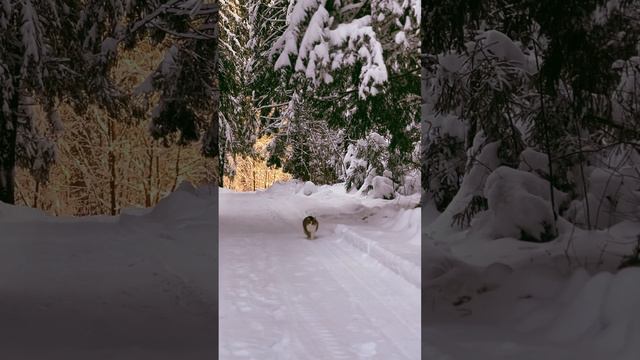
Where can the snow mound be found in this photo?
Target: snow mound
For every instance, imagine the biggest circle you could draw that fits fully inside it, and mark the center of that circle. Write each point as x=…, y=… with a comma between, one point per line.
x=382, y=188
x=502, y=47
x=134, y=211
x=285, y=187
x=519, y=206
x=438, y=261
x=309, y=188
x=613, y=197
x=186, y=202
x=534, y=161
x=14, y=213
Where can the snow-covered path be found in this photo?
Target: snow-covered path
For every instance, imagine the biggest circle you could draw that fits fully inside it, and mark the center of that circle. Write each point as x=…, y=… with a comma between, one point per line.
x=131, y=287
x=284, y=297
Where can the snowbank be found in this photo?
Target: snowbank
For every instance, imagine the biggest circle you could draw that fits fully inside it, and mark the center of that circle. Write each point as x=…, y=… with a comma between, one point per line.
x=15, y=213
x=599, y=309
x=186, y=202
x=111, y=287
x=394, y=242
x=505, y=299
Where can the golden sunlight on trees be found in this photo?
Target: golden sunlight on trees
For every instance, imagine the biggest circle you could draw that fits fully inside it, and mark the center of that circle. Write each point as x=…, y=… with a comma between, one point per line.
x=252, y=173
x=105, y=164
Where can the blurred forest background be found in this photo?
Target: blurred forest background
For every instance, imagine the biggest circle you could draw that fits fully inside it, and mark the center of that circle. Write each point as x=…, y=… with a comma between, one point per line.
x=105, y=163
x=106, y=105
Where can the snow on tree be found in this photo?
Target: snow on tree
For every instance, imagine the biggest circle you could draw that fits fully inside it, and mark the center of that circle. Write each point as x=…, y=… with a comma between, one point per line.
x=186, y=79
x=324, y=37
x=238, y=69
x=352, y=66
x=36, y=71
x=556, y=110
x=54, y=51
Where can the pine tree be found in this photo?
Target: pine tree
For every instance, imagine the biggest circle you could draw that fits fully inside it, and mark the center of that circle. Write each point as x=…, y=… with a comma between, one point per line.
x=365, y=56
x=238, y=119
x=187, y=79
x=353, y=65
x=41, y=63
x=536, y=80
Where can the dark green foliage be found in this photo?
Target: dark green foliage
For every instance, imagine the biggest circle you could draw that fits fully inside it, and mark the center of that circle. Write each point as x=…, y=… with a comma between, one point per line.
x=477, y=204
x=334, y=112
x=443, y=174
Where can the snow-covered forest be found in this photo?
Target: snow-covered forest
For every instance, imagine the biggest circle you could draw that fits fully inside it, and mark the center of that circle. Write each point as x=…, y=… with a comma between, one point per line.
x=531, y=175
x=93, y=95
x=333, y=85
x=319, y=179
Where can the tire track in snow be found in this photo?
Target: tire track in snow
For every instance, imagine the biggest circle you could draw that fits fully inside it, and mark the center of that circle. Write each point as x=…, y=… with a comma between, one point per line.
x=393, y=326
x=396, y=328
x=314, y=312
x=308, y=324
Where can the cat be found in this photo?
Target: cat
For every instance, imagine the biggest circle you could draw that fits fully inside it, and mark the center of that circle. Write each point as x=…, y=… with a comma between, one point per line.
x=310, y=227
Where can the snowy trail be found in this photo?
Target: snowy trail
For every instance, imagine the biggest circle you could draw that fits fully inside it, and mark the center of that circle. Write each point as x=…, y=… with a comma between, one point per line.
x=283, y=297
x=134, y=287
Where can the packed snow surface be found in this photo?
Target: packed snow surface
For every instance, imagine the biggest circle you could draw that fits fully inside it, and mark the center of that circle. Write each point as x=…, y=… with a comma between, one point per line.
x=137, y=286
x=353, y=293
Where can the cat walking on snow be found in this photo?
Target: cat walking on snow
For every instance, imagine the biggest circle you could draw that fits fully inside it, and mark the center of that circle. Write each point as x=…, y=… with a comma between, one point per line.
x=310, y=227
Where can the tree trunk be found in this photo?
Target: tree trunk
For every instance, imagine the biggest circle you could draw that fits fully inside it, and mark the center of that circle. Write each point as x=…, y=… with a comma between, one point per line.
x=36, y=195
x=177, y=172
x=220, y=175
x=8, y=126
x=147, y=194
x=157, y=177
x=112, y=168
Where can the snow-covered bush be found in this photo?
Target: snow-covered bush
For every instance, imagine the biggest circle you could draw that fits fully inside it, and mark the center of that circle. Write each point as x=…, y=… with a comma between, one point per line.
x=469, y=200
x=519, y=206
x=476, y=90
x=613, y=196
x=411, y=183
x=446, y=159
x=371, y=165
x=364, y=160
x=382, y=188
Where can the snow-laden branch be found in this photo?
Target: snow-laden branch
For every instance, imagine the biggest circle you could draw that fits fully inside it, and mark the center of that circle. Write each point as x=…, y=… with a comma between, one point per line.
x=322, y=40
